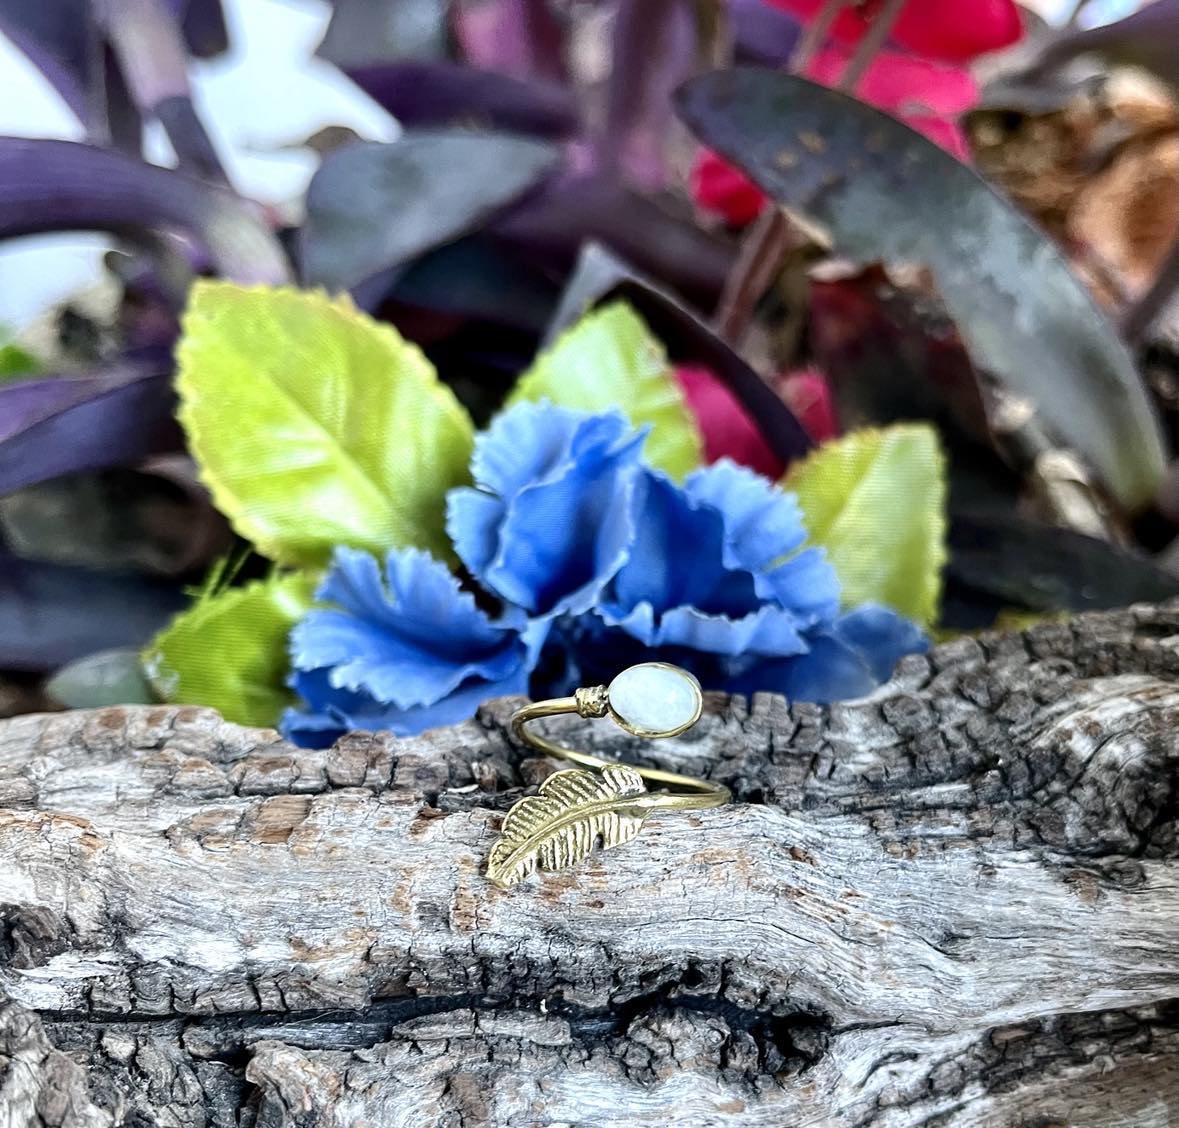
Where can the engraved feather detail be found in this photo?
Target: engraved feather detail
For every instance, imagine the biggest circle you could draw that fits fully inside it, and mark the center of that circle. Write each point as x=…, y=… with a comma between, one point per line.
x=559, y=826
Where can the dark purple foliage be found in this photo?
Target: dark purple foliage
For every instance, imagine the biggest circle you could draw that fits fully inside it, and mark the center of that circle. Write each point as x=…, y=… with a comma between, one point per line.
x=66, y=186
x=440, y=92
x=372, y=206
x=51, y=614
x=61, y=424
x=600, y=276
x=885, y=193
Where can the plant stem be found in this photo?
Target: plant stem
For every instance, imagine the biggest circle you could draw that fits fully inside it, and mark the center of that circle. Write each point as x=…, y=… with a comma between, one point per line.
x=714, y=36
x=812, y=39
x=640, y=43
x=866, y=50
x=772, y=234
x=760, y=258
x=147, y=42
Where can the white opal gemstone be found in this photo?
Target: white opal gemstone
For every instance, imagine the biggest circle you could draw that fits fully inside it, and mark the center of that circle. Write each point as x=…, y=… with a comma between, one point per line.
x=655, y=700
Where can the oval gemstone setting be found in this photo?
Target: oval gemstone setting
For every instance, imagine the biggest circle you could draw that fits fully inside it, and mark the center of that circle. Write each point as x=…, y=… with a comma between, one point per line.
x=655, y=699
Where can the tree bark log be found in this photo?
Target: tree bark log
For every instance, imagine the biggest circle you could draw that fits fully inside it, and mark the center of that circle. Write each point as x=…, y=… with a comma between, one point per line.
x=954, y=903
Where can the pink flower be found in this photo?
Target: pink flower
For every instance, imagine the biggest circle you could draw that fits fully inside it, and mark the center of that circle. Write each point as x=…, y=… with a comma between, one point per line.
x=726, y=427
x=901, y=84
x=720, y=188
x=927, y=96
x=956, y=30
x=808, y=394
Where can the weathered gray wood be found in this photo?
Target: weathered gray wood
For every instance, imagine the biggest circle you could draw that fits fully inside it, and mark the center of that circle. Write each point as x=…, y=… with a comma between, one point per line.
x=956, y=902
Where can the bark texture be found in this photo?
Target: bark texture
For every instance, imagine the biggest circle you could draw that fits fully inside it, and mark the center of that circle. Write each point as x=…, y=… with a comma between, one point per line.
x=953, y=903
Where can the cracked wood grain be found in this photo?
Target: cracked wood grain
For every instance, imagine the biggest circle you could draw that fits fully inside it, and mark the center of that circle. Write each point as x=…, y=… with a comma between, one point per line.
x=955, y=902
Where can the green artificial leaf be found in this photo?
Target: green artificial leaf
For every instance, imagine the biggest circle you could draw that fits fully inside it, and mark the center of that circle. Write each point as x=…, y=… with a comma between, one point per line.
x=876, y=500
x=316, y=426
x=229, y=649
x=610, y=359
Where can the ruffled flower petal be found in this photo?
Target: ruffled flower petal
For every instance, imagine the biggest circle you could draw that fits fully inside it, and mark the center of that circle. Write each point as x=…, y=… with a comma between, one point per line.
x=550, y=518
x=403, y=649
x=845, y=659
x=677, y=558
x=719, y=565
x=408, y=637
x=880, y=635
x=333, y=712
x=764, y=534
x=771, y=631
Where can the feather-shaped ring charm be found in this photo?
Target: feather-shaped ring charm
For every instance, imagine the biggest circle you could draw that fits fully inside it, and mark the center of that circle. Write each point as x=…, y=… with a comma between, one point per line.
x=601, y=801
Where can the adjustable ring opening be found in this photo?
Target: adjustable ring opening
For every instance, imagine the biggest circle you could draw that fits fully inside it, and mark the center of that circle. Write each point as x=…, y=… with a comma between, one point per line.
x=652, y=700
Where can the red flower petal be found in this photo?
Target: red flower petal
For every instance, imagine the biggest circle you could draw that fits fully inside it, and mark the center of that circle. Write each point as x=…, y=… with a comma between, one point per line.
x=901, y=84
x=958, y=32
x=726, y=427
x=808, y=395
x=720, y=188
x=937, y=28
x=925, y=94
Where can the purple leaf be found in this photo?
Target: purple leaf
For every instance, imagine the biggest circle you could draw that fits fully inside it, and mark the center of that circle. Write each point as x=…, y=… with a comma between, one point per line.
x=51, y=614
x=64, y=186
x=59, y=425
x=203, y=25
x=885, y=193
x=762, y=33
x=60, y=39
x=476, y=278
x=421, y=93
x=568, y=210
x=600, y=277
x=521, y=38
x=154, y=517
x=372, y=206
x=363, y=32
x=123, y=127
x=654, y=50
x=1000, y=561
x=63, y=40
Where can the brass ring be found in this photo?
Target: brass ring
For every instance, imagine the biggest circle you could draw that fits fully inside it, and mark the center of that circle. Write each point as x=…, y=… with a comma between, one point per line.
x=575, y=808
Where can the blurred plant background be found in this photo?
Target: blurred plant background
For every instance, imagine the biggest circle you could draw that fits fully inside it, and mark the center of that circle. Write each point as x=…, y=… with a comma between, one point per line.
x=915, y=261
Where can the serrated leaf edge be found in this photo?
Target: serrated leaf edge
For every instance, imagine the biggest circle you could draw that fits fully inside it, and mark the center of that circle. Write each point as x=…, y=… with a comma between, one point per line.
x=672, y=398
x=286, y=587
x=931, y=588
x=237, y=513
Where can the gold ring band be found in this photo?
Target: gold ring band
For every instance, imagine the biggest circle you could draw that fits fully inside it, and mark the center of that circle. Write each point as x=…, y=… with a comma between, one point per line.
x=602, y=800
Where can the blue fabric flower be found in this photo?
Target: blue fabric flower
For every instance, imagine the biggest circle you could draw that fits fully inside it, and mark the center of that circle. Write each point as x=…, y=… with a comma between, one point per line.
x=718, y=566
x=549, y=519
x=403, y=650
x=845, y=658
x=599, y=562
